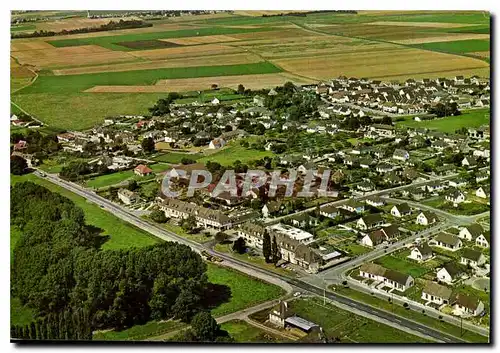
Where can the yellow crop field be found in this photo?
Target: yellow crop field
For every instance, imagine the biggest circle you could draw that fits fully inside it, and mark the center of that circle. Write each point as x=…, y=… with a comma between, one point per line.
x=201, y=40
x=450, y=37
x=404, y=62
x=189, y=51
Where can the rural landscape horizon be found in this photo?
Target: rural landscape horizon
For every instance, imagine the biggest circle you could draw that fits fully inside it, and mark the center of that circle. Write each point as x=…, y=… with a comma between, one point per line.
x=241, y=176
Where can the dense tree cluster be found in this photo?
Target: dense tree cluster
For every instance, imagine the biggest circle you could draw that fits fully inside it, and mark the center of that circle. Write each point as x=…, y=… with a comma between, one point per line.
x=18, y=165
x=442, y=110
x=162, y=106
x=289, y=101
x=58, y=268
x=110, y=26
x=37, y=142
x=204, y=328
x=74, y=170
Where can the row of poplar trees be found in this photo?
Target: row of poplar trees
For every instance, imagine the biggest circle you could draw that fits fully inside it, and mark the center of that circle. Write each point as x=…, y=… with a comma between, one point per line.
x=270, y=249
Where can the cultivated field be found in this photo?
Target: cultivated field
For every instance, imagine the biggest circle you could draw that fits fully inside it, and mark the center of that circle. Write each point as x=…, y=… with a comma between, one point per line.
x=445, y=38
x=212, y=60
x=402, y=62
x=75, y=23
x=253, y=82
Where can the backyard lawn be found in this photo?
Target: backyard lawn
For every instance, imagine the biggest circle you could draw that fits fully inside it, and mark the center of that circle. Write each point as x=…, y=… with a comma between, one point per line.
x=233, y=152
x=243, y=332
x=401, y=265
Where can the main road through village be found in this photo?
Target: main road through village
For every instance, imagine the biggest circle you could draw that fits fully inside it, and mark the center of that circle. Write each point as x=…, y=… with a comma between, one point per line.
x=308, y=284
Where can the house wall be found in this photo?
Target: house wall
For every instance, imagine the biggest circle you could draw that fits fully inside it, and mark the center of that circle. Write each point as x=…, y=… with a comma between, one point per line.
x=444, y=276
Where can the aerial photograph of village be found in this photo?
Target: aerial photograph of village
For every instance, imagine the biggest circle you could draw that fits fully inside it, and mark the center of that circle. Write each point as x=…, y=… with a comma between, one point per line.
x=235, y=177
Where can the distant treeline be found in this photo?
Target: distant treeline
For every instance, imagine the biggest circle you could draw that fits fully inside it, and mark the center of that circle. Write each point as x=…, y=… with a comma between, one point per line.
x=111, y=26
x=305, y=13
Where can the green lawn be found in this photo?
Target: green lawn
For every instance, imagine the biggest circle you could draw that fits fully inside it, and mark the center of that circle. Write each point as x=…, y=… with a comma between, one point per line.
x=110, y=42
x=174, y=157
x=412, y=315
x=354, y=249
x=121, y=234
x=350, y=328
x=470, y=118
x=401, y=265
x=243, y=332
x=458, y=46
x=233, y=152
x=140, y=332
x=245, y=290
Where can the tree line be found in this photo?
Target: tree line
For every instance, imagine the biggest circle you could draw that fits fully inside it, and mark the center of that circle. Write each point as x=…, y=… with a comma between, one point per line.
x=60, y=272
x=110, y=26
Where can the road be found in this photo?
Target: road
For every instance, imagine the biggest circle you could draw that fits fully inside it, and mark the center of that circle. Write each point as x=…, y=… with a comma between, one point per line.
x=258, y=272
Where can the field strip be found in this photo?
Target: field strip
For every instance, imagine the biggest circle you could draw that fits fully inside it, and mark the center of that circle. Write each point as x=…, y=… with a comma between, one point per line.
x=481, y=54
x=447, y=38
x=422, y=24
x=200, y=40
x=211, y=60
x=179, y=52
x=189, y=84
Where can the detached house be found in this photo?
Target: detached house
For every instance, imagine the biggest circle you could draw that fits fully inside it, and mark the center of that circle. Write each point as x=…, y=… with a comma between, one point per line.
x=469, y=162
x=391, y=278
x=483, y=240
x=373, y=239
x=471, y=232
x=329, y=212
x=455, y=196
x=370, y=221
x=375, y=201
x=400, y=210
x=425, y=218
x=421, y=252
x=401, y=155
x=143, y=170
x=436, y=293
x=127, y=197
x=272, y=208
x=465, y=304
x=448, y=241
x=483, y=192
x=449, y=273
x=472, y=257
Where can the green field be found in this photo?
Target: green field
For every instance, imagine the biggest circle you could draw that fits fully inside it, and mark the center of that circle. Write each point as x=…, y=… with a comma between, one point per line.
x=231, y=153
x=245, y=291
x=412, y=315
x=470, y=118
x=457, y=47
x=350, y=328
x=49, y=97
x=403, y=266
x=121, y=234
x=140, y=332
x=78, y=83
x=20, y=28
x=243, y=332
x=110, y=42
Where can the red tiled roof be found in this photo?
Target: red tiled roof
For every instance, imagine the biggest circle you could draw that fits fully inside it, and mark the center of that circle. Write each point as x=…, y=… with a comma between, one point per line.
x=143, y=169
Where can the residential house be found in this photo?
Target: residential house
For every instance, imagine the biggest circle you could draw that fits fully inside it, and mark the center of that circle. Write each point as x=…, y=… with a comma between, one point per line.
x=483, y=240
x=449, y=273
x=370, y=221
x=373, y=238
x=143, y=170
x=435, y=186
x=426, y=218
x=272, y=208
x=216, y=143
x=253, y=234
x=127, y=197
x=455, y=196
x=302, y=220
x=458, y=182
x=391, y=278
x=422, y=252
x=329, y=212
x=448, y=241
x=375, y=201
x=483, y=192
x=472, y=257
x=471, y=232
x=401, y=210
x=469, y=162
x=353, y=206
x=436, y=293
x=391, y=232
x=205, y=217
x=401, y=155
x=468, y=305
x=481, y=176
